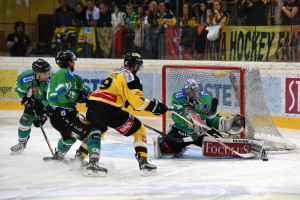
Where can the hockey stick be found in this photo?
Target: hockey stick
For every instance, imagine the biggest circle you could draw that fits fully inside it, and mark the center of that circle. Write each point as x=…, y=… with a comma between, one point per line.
x=246, y=155
x=45, y=136
x=177, y=140
x=186, y=111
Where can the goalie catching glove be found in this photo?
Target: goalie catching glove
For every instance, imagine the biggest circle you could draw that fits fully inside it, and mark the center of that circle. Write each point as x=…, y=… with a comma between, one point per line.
x=156, y=107
x=233, y=124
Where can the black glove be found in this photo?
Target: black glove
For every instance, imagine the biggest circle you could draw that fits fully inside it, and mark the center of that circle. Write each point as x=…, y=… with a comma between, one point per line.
x=28, y=103
x=83, y=96
x=156, y=108
x=41, y=119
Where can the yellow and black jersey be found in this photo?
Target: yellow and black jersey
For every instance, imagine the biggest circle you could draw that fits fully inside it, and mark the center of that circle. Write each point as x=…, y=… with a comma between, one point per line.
x=119, y=86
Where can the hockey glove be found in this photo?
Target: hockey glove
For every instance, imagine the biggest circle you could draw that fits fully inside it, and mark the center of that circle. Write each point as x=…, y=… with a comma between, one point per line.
x=28, y=102
x=41, y=119
x=233, y=124
x=156, y=107
x=83, y=96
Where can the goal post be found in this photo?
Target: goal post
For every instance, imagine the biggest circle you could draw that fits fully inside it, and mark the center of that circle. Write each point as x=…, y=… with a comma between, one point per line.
x=239, y=90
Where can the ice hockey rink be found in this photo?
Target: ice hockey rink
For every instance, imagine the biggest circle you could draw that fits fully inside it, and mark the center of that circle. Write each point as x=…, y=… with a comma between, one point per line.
x=191, y=176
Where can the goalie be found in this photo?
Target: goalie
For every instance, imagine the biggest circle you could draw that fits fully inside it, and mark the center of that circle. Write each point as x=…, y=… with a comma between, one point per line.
x=190, y=99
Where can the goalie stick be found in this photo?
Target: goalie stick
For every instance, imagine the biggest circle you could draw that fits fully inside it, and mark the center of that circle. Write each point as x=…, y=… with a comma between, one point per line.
x=177, y=140
x=45, y=136
x=204, y=126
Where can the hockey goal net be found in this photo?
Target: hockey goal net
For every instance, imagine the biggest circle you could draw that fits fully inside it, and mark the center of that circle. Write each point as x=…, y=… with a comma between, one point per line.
x=239, y=90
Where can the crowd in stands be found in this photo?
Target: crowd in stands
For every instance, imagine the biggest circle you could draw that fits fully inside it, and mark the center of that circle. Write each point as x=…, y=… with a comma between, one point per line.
x=144, y=23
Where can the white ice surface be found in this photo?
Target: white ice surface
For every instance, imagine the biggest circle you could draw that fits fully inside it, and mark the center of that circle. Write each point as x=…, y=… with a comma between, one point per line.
x=192, y=176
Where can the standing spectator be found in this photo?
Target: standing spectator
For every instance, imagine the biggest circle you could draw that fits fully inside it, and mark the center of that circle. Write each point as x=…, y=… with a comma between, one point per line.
x=140, y=16
x=92, y=14
x=154, y=30
x=64, y=15
x=255, y=13
x=105, y=16
x=18, y=42
x=200, y=42
x=216, y=15
x=289, y=12
x=80, y=15
x=165, y=17
x=187, y=20
x=129, y=31
x=117, y=17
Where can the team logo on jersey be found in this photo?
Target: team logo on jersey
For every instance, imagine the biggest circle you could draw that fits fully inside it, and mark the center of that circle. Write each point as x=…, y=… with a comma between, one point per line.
x=125, y=127
x=34, y=89
x=139, y=93
x=206, y=106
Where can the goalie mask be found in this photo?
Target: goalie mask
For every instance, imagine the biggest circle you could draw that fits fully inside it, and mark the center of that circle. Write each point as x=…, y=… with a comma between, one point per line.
x=133, y=59
x=191, y=89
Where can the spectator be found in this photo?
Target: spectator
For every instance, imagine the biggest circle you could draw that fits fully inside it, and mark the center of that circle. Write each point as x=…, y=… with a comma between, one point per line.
x=165, y=17
x=18, y=42
x=92, y=14
x=129, y=32
x=255, y=13
x=117, y=17
x=187, y=20
x=289, y=12
x=216, y=15
x=80, y=15
x=64, y=15
x=105, y=16
x=200, y=42
x=140, y=16
x=154, y=30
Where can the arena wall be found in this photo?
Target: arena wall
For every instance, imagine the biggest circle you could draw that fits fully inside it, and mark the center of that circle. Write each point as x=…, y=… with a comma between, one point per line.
x=281, y=82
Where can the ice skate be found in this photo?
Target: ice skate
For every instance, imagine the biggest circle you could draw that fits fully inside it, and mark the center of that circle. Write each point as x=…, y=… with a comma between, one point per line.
x=145, y=167
x=18, y=148
x=264, y=155
x=94, y=168
x=79, y=162
x=59, y=158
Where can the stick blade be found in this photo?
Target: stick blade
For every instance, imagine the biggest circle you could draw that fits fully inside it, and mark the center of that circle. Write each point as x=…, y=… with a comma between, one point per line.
x=245, y=155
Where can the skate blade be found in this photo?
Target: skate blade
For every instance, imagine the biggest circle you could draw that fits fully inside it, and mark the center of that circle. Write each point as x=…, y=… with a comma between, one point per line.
x=92, y=173
x=146, y=172
x=17, y=152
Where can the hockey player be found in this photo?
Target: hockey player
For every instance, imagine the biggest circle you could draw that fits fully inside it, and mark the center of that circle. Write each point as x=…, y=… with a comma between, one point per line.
x=31, y=87
x=190, y=98
x=65, y=91
x=105, y=106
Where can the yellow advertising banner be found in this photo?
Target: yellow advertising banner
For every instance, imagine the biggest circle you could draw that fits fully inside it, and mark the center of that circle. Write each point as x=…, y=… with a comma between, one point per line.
x=260, y=43
x=8, y=79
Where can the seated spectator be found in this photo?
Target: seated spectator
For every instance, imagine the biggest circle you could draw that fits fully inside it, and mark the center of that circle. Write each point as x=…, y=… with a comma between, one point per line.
x=92, y=14
x=255, y=13
x=165, y=17
x=18, y=42
x=117, y=17
x=80, y=15
x=105, y=16
x=64, y=15
x=289, y=12
x=216, y=15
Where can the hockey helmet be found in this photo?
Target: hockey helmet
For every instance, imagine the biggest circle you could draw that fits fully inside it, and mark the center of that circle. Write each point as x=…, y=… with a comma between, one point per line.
x=41, y=66
x=63, y=57
x=189, y=87
x=131, y=59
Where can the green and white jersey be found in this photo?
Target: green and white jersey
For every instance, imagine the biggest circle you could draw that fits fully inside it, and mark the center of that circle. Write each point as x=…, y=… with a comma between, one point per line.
x=202, y=107
x=27, y=85
x=64, y=88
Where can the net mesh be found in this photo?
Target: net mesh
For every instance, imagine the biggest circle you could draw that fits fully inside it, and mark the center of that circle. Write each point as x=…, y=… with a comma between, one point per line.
x=216, y=82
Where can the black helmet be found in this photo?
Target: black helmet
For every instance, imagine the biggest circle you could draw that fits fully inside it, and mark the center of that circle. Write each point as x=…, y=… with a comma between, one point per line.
x=41, y=65
x=63, y=57
x=19, y=24
x=131, y=59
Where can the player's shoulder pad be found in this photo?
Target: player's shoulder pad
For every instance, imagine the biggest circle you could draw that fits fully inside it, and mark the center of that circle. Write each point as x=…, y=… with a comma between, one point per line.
x=127, y=74
x=26, y=77
x=65, y=73
x=204, y=95
x=179, y=95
